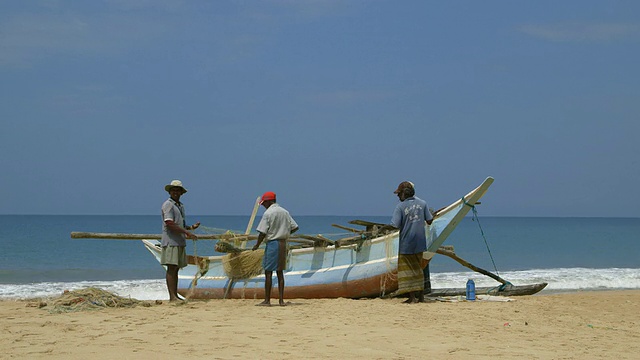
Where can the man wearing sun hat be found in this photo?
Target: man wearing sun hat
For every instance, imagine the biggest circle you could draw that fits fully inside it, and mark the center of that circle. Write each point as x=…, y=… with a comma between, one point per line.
x=174, y=234
x=410, y=216
x=275, y=226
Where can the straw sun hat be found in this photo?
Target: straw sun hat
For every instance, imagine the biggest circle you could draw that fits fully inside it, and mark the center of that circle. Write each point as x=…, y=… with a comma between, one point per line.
x=175, y=183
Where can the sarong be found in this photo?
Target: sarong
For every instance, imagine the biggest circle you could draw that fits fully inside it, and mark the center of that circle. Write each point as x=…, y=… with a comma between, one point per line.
x=410, y=275
x=271, y=255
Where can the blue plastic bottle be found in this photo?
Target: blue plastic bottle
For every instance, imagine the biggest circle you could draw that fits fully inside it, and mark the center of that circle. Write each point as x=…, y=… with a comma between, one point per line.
x=471, y=290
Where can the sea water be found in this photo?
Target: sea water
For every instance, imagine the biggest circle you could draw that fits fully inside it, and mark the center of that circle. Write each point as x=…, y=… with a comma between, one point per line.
x=38, y=258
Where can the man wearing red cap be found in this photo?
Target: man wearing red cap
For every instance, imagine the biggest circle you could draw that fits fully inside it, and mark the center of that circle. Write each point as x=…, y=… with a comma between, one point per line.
x=275, y=226
x=410, y=216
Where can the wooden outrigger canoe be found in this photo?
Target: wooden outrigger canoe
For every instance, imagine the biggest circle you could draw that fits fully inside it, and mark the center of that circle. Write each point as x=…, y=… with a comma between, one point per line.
x=504, y=289
x=361, y=266
x=501, y=290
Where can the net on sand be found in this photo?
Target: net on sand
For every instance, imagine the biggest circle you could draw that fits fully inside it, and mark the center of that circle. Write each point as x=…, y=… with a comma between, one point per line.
x=90, y=299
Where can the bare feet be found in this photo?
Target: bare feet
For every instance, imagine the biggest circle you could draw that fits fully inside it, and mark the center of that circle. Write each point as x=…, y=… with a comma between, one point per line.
x=264, y=303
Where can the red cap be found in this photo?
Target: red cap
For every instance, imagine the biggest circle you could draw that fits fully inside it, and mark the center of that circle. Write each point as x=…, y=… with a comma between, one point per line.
x=269, y=195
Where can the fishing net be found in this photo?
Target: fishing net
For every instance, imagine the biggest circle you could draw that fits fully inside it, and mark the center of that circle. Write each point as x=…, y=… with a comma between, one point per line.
x=228, y=248
x=240, y=263
x=90, y=299
x=243, y=265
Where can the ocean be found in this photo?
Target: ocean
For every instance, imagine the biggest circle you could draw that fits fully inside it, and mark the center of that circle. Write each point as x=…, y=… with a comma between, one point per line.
x=39, y=258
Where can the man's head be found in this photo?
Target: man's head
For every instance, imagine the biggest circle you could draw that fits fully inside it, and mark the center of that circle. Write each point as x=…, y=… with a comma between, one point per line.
x=268, y=198
x=405, y=190
x=175, y=189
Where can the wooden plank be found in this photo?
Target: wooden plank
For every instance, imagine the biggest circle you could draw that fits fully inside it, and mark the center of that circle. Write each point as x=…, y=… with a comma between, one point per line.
x=301, y=240
x=309, y=237
x=366, y=223
x=373, y=226
x=347, y=228
x=317, y=240
x=253, y=216
x=329, y=241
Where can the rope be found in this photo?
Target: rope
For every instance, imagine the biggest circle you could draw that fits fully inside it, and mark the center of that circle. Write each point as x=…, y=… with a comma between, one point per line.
x=194, y=282
x=389, y=275
x=498, y=288
x=476, y=219
x=214, y=230
x=201, y=270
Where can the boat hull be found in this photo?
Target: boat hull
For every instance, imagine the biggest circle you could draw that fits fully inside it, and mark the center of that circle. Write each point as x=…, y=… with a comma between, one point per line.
x=354, y=271
x=362, y=288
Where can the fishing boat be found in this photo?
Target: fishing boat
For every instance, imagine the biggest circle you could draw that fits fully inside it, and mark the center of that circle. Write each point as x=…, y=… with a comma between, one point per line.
x=360, y=266
x=363, y=265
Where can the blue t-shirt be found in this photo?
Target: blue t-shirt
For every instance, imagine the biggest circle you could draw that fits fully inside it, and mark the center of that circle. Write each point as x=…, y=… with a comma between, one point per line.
x=410, y=217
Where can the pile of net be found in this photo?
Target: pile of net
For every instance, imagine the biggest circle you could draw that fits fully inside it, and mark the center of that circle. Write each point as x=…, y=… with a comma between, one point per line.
x=90, y=299
x=240, y=263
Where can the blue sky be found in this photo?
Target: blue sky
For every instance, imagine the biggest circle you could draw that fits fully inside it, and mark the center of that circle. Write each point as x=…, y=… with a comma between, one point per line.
x=328, y=103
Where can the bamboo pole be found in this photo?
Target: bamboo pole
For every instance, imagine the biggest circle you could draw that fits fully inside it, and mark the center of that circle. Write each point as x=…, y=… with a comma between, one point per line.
x=451, y=254
x=121, y=236
x=253, y=216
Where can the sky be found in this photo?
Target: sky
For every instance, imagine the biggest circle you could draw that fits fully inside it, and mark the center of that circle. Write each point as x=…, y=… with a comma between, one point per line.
x=330, y=104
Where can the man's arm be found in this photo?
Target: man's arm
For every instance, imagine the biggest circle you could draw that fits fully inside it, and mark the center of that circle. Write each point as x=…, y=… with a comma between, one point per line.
x=261, y=237
x=396, y=218
x=429, y=216
x=173, y=227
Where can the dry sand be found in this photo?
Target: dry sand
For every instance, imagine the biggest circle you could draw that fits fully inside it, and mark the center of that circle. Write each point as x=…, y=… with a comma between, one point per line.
x=583, y=325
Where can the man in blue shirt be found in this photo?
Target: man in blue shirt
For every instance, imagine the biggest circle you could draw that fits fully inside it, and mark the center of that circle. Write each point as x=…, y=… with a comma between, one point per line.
x=410, y=216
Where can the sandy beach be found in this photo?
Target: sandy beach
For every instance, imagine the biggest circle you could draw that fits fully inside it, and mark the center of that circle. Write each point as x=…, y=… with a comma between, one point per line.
x=582, y=325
